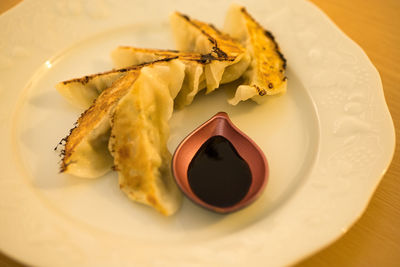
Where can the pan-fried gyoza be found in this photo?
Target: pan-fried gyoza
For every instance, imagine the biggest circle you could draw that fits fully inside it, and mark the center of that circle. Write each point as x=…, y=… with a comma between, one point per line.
x=125, y=126
x=266, y=73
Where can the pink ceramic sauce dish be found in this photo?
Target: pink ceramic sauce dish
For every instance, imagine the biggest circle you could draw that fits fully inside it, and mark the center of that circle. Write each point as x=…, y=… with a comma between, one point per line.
x=237, y=170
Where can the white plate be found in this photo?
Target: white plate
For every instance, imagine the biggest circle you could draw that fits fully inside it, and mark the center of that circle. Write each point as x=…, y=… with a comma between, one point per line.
x=329, y=141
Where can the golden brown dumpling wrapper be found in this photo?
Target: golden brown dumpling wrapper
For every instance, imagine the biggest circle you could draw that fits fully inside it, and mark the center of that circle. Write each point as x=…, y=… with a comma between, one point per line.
x=139, y=138
x=125, y=56
x=82, y=92
x=85, y=152
x=228, y=58
x=266, y=73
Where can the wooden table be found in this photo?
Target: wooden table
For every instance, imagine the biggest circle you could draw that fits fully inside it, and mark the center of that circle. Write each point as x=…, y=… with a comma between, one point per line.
x=375, y=239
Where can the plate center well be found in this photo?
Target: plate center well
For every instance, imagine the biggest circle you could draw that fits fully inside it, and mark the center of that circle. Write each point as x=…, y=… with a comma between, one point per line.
x=285, y=127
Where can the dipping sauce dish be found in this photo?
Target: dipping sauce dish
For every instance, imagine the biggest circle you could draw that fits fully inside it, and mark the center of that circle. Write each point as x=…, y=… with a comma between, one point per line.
x=214, y=146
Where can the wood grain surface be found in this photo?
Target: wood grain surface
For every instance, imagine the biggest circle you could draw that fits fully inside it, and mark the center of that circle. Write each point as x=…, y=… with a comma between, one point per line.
x=375, y=239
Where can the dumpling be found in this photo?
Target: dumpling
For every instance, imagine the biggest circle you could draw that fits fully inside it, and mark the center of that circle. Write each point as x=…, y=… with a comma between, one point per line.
x=227, y=58
x=124, y=56
x=266, y=73
x=81, y=92
x=139, y=138
x=85, y=151
x=193, y=83
x=138, y=106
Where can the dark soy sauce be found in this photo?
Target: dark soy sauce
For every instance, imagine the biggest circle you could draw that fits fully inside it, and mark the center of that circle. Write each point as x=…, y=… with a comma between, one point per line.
x=218, y=175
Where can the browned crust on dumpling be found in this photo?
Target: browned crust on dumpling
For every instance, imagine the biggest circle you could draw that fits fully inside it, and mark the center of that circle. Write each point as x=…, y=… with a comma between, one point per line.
x=224, y=46
x=93, y=116
x=267, y=33
x=271, y=64
x=186, y=56
x=85, y=79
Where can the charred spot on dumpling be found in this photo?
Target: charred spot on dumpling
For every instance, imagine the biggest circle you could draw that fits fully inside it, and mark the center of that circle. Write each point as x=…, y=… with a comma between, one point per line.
x=214, y=28
x=270, y=85
x=185, y=16
x=63, y=152
x=172, y=50
x=65, y=165
x=206, y=58
x=212, y=40
x=269, y=35
x=219, y=52
x=282, y=57
x=62, y=142
x=115, y=168
x=260, y=91
x=166, y=59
